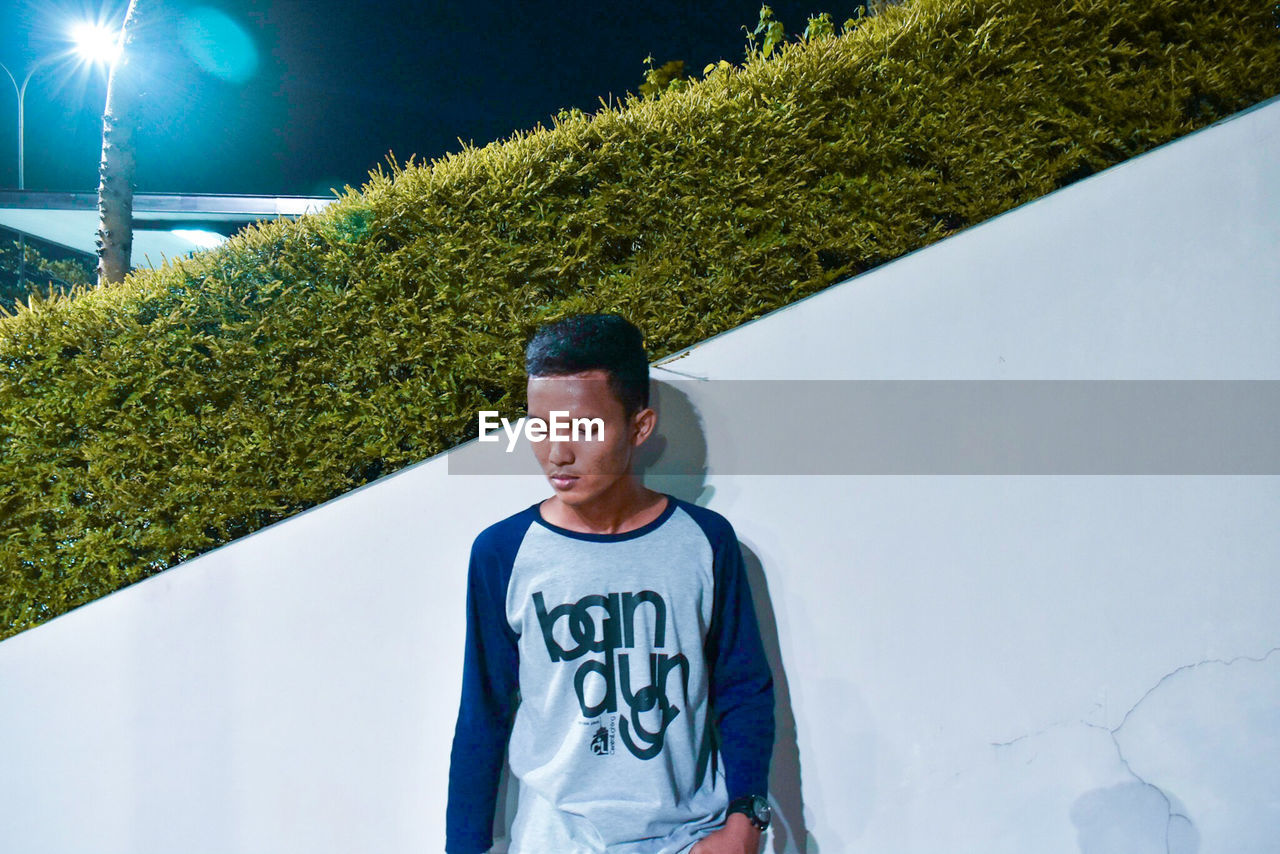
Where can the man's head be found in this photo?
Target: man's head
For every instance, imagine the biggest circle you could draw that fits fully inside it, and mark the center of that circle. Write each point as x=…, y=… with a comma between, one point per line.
x=589, y=342
x=592, y=366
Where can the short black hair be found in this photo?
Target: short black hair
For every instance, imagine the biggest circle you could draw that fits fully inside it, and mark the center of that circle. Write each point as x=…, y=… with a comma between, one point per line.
x=588, y=342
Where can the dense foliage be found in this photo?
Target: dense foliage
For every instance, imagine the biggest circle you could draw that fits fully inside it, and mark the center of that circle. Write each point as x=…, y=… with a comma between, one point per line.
x=145, y=423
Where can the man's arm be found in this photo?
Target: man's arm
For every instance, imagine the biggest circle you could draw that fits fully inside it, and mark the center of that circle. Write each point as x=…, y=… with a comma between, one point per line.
x=741, y=683
x=490, y=685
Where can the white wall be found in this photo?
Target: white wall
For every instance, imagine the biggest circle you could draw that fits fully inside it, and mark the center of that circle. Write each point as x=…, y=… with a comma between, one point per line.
x=1024, y=663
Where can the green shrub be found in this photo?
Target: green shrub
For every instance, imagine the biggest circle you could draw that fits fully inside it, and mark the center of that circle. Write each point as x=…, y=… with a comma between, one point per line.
x=143, y=424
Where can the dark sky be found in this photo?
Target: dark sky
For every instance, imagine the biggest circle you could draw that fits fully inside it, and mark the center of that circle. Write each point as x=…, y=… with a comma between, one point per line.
x=297, y=96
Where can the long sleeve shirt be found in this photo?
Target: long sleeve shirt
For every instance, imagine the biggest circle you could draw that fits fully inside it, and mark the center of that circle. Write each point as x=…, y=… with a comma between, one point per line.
x=622, y=676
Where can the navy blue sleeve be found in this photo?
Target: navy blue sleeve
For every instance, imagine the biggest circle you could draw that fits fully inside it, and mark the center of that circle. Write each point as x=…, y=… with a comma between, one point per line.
x=490, y=694
x=741, y=682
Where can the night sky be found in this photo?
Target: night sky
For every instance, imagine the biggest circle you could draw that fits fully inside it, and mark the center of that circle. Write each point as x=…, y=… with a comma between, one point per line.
x=298, y=96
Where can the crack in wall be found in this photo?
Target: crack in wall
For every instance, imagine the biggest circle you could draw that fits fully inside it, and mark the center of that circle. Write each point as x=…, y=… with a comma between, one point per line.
x=1164, y=796
x=1114, y=734
x=1056, y=725
x=1172, y=673
x=1014, y=741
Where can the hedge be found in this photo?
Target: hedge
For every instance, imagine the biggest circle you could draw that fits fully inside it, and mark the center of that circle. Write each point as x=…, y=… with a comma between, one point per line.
x=146, y=423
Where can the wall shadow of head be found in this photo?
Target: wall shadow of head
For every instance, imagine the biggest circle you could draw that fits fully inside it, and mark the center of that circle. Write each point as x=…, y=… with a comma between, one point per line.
x=674, y=458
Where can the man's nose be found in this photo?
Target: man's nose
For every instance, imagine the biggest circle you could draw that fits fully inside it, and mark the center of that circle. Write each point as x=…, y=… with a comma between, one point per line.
x=561, y=452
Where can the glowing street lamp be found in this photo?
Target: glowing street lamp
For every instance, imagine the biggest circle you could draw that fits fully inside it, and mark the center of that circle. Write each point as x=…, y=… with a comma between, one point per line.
x=93, y=42
x=96, y=43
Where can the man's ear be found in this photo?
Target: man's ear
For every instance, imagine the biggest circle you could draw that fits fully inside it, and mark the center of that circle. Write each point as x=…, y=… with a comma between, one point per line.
x=642, y=426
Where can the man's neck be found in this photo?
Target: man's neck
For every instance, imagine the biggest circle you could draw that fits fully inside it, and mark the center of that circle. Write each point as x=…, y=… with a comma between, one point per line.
x=626, y=508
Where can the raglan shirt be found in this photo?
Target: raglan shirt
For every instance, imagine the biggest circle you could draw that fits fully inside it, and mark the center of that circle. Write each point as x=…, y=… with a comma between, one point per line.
x=597, y=663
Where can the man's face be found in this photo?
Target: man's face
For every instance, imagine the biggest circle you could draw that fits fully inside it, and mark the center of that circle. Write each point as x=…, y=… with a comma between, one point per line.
x=581, y=471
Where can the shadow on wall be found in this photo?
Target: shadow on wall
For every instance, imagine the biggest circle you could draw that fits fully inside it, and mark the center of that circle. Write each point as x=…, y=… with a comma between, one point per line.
x=790, y=836
x=1132, y=818
x=674, y=460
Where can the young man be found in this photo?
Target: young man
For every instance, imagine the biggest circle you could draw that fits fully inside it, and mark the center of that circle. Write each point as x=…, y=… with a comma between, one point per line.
x=611, y=642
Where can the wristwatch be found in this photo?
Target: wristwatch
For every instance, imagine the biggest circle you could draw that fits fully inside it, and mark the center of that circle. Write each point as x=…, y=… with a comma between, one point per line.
x=755, y=808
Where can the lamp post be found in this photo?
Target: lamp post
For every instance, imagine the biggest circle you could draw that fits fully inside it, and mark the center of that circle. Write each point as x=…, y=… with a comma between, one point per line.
x=93, y=42
x=21, y=91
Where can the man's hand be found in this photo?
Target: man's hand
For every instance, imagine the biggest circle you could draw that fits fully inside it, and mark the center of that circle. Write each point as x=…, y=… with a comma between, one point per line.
x=738, y=836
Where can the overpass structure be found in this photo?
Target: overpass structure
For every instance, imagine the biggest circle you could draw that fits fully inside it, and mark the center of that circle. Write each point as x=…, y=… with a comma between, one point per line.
x=166, y=225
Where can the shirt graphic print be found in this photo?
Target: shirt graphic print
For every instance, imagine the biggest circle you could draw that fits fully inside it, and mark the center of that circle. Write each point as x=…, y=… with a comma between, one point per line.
x=605, y=656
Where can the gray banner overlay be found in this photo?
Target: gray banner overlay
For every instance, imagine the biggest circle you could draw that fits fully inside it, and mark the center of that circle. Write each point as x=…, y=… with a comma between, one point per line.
x=914, y=427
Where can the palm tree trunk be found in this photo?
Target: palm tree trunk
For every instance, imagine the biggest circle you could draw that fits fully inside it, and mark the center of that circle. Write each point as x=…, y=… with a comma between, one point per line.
x=119, y=158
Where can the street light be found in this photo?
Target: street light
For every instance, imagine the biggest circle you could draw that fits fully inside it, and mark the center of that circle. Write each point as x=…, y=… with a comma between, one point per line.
x=94, y=43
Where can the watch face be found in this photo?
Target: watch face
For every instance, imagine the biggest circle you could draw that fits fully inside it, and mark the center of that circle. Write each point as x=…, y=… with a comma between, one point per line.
x=761, y=808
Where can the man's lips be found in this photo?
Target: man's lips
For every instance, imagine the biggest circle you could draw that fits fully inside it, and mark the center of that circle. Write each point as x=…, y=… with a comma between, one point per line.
x=563, y=479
